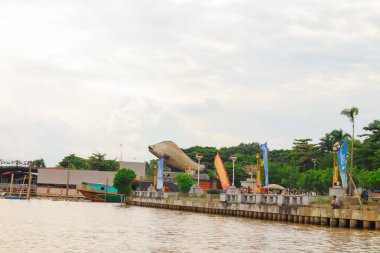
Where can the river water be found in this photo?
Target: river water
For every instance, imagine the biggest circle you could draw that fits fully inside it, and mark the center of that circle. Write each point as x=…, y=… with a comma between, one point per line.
x=58, y=226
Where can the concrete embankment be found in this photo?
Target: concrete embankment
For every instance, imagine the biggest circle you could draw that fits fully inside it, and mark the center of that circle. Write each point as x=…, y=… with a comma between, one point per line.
x=366, y=217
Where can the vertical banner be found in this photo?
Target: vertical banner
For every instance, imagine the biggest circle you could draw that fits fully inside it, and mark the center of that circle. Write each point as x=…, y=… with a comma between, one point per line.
x=342, y=163
x=336, y=171
x=160, y=174
x=264, y=148
x=222, y=174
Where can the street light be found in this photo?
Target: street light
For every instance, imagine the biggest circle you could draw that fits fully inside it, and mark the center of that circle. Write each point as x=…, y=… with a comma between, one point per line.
x=233, y=158
x=314, y=162
x=199, y=156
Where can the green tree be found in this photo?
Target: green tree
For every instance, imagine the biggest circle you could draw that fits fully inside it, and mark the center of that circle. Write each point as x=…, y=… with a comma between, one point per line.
x=351, y=113
x=39, y=163
x=184, y=181
x=303, y=154
x=149, y=168
x=123, y=181
x=369, y=179
x=368, y=157
x=75, y=161
x=328, y=141
x=98, y=162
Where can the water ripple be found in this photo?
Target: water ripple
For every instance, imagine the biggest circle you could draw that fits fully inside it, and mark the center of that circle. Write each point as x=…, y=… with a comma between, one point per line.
x=53, y=226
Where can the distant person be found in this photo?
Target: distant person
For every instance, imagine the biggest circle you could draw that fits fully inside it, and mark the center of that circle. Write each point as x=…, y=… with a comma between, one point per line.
x=249, y=189
x=334, y=203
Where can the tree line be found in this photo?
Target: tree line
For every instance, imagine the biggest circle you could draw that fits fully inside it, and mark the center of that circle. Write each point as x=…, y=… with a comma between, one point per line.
x=97, y=161
x=307, y=166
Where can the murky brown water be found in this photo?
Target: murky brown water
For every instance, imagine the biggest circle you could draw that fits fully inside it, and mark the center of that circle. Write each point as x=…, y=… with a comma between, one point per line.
x=55, y=226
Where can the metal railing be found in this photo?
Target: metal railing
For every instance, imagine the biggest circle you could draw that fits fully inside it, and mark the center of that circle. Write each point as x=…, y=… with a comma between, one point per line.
x=267, y=199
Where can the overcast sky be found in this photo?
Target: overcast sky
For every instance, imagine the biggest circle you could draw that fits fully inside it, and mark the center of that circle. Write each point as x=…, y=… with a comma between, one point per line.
x=86, y=76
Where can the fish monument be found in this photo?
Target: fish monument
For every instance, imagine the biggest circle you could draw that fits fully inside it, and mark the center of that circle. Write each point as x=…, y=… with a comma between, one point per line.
x=174, y=157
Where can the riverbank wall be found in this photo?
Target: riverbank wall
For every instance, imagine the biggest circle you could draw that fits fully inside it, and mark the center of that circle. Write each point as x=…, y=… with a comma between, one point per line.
x=286, y=210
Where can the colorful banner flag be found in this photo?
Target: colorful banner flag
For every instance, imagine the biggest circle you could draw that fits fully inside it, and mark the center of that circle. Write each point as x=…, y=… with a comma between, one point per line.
x=342, y=163
x=160, y=174
x=336, y=171
x=264, y=148
x=222, y=174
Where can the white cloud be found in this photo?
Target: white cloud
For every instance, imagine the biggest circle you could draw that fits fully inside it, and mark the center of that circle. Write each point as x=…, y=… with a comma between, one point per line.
x=79, y=77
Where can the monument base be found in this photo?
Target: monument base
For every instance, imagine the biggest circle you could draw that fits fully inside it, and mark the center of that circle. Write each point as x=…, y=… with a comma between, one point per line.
x=196, y=191
x=249, y=182
x=232, y=190
x=338, y=191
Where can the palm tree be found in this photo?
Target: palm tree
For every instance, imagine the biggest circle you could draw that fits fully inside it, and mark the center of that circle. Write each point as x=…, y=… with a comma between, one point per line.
x=328, y=141
x=351, y=113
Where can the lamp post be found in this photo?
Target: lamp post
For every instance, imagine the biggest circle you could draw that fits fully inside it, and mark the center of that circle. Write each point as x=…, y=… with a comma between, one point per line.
x=199, y=156
x=314, y=162
x=233, y=158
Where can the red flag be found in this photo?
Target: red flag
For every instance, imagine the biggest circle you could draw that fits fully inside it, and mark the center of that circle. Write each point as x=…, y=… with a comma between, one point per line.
x=222, y=174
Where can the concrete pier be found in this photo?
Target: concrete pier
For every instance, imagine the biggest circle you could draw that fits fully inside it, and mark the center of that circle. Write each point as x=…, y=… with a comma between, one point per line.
x=325, y=221
x=343, y=223
x=355, y=217
x=334, y=222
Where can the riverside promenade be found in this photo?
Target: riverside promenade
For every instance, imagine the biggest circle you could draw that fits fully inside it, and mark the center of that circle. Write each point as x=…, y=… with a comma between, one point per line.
x=271, y=207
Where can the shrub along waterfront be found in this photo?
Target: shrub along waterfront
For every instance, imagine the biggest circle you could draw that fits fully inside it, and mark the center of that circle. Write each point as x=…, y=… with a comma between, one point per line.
x=123, y=181
x=184, y=181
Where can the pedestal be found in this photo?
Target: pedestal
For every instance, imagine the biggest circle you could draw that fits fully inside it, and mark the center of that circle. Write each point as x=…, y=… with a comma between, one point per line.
x=232, y=190
x=249, y=182
x=196, y=191
x=337, y=191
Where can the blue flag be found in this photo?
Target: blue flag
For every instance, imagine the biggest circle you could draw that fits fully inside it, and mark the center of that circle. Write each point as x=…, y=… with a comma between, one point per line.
x=160, y=174
x=264, y=148
x=342, y=163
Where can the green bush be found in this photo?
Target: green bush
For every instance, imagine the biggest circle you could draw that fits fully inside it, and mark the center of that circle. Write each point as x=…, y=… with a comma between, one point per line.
x=184, y=182
x=214, y=191
x=123, y=181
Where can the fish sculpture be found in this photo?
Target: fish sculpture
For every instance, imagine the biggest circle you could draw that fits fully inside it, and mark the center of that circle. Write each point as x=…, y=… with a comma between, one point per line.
x=174, y=157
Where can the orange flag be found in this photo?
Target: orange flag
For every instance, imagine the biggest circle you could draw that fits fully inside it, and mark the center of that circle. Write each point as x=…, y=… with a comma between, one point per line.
x=222, y=174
